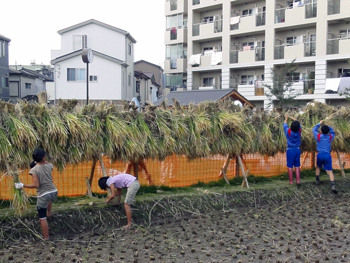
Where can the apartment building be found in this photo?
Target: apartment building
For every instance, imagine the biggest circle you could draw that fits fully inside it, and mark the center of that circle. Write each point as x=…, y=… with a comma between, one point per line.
x=221, y=44
x=4, y=67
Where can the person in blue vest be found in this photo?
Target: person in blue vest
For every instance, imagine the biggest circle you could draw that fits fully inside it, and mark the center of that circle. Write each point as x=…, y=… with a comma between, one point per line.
x=293, y=135
x=324, y=158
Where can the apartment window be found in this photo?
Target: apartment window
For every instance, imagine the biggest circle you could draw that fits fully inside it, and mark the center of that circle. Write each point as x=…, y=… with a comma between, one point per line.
x=93, y=78
x=344, y=33
x=248, y=45
x=208, y=82
x=173, y=5
x=75, y=74
x=247, y=12
x=174, y=21
x=129, y=79
x=208, y=19
x=79, y=42
x=28, y=86
x=174, y=51
x=129, y=48
x=247, y=79
x=4, y=82
x=294, y=77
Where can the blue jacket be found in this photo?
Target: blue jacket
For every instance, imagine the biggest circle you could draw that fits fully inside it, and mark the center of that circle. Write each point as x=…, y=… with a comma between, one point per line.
x=323, y=140
x=293, y=138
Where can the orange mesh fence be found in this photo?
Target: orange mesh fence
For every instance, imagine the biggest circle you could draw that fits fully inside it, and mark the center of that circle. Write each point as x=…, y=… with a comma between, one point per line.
x=174, y=171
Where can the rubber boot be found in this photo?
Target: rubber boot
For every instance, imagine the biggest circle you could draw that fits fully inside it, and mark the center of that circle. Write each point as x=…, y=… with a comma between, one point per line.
x=297, y=174
x=290, y=175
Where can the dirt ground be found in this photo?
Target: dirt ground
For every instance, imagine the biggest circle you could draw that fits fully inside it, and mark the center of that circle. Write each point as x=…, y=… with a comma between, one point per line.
x=315, y=230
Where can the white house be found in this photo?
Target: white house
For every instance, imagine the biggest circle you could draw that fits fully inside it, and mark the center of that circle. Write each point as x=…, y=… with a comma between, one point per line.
x=111, y=73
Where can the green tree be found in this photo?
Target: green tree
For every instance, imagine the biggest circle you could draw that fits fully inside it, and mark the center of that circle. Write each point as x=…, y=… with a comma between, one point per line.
x=281, y=92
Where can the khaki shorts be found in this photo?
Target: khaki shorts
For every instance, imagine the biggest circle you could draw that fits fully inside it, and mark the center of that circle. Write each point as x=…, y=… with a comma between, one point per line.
x=131, y=192
x=43, y=201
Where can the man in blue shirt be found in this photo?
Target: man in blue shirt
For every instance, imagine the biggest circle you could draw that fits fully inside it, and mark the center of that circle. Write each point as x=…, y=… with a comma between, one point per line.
x=293, y=135
x=324, y=158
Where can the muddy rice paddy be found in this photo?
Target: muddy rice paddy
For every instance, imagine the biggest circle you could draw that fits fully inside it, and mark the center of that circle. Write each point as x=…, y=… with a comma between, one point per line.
x=312, y=230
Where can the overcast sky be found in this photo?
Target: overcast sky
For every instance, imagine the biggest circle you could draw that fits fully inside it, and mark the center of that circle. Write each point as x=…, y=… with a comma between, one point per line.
x=32, y=25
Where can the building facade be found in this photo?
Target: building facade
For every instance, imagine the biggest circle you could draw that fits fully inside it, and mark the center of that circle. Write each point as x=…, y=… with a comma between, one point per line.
x=4, y=67
x=158, y=72
x=220, y=44
x=111, y=74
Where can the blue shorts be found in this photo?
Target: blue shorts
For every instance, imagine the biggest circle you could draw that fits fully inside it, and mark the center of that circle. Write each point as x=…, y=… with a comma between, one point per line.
x=324, y=159
x=293, y=157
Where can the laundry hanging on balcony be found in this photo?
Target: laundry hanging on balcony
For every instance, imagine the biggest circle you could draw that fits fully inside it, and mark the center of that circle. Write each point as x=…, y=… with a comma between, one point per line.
x=234, y=20
x=216, y=58
x=195, y=60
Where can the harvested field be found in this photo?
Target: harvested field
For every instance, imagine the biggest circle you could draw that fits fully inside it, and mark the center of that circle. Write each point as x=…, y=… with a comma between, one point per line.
x=270, y=223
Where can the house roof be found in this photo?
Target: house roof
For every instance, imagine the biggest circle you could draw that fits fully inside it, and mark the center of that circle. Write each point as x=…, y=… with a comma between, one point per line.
x=96, y=53
x=144, y=61
x=29, y=73
x=196, y=96
x=140, y=74
x=5, y=38
x=93, y=21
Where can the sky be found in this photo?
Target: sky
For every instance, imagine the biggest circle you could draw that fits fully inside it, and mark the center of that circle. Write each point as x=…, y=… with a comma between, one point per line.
x=32, y=25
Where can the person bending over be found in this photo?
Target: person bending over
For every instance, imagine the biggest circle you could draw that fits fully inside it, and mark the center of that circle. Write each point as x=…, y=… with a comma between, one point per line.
x=324, y=158
x=41, y=172
x=116, y=183
x=293, y=135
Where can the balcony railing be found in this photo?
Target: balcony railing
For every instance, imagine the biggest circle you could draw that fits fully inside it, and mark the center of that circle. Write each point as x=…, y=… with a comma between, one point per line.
x=333, y=7
x=310, y=49
x=311, y=10
x=196, y=2
x=333, y=46
x=259, y=54
x=234, y=56
x=279, y=52
x=217, y=26
x=309, y=86
x=260, y=19
x=195, y=30
x=280, y=15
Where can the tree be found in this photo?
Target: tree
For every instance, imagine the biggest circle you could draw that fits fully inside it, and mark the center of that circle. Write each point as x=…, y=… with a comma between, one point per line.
x=282, y=89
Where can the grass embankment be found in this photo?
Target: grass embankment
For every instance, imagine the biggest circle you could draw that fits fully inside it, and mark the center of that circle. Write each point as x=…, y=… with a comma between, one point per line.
x=158, y=205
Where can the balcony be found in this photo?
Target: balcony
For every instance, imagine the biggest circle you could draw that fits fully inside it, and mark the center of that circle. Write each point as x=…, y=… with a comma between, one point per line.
x=246, y=55
x=175, y=35
x=244, y=23
x=209, y=60
x=205, y=3
x=296, y=14
x=290, y=52
x=175, y=65
x=255, y=88
x=207, y=29
x=338, y=46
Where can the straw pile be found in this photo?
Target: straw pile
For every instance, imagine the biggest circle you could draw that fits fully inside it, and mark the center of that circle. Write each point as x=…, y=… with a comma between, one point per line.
x=73, y=134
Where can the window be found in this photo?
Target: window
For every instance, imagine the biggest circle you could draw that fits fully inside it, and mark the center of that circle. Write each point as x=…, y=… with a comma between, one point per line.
x=248, y=44
x=138, y=87
x=174, y=51
x=208, y=82
x=28, y=86
x=129, y=48
x=79, y=42
x=295, y=76
x=247, y=79
x=291, y=41
x=174, y=21
x=344, y=33
x=4, y=82
x=75, y=74
x=3, y=49
x=248, y=12
x=0, y=48
x=208, y=19
x=129, y=79
x=173, y=5
x=93, y=78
